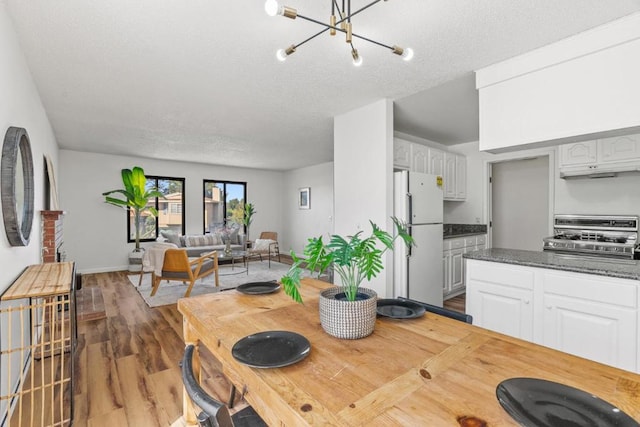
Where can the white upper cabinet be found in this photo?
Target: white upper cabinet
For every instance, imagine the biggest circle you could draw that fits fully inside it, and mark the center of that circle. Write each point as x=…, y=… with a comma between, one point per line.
x=424, y=159
x=619, y=149
x=461, y=177
x=449, y=176
x=419, y=158
x=578, y=154
x=401, y=154
x=436, y=161
x=455, y=176
x=616, y=154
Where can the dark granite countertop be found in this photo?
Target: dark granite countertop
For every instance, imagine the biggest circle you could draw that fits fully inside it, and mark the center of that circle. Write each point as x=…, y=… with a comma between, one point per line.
x=621, y=268
x=462, y=230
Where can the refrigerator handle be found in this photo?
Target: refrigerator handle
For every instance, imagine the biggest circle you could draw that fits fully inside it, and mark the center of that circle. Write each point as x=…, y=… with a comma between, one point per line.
x=409, y=218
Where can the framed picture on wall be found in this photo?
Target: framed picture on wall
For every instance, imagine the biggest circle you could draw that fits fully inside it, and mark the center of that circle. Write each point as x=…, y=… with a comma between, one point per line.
x=304, y=198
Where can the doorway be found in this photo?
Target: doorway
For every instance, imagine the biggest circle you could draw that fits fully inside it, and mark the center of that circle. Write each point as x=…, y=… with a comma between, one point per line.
x=519, y=203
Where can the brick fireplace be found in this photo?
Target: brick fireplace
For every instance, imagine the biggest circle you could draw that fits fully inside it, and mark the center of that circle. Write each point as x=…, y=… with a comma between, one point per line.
x=51, y=235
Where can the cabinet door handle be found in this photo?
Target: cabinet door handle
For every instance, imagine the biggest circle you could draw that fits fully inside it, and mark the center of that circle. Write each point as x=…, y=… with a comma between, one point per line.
x=526, y=301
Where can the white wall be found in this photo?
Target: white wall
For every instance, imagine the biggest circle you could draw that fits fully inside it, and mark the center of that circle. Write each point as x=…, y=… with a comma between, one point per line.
x=363, y=176
x=95, y=234
x=301, y=224
x=613, y=196
x=20, y=106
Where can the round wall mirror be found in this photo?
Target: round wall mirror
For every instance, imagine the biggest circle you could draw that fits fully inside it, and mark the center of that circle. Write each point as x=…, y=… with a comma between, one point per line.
x=17, y=186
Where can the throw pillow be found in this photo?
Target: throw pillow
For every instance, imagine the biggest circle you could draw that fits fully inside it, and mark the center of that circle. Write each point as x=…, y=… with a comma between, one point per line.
x=215, y=238
x=262, y=245
x=171, y=237
x=199, y=240
x=233, y=236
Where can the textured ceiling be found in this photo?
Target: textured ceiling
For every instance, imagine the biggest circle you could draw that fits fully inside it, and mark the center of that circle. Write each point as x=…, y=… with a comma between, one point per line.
x=198, y=80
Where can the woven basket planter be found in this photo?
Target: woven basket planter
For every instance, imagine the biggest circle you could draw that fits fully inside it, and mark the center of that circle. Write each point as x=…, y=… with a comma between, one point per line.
x=348, y=319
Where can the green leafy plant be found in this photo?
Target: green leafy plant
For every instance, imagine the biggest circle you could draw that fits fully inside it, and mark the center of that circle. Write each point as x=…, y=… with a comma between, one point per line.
x=355, y=258
x=136, y=197
x=249, y=212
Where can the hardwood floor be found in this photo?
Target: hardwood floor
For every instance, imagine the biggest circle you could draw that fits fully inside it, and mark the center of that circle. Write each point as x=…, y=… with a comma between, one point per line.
x=457, y=303
x=127, y=362
x=127, y=370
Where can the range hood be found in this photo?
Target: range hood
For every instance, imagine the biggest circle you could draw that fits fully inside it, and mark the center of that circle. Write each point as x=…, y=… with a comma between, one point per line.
x=599, y=171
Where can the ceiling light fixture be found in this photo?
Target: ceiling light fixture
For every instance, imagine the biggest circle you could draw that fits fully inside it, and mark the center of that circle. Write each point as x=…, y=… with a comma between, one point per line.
x=343, y=24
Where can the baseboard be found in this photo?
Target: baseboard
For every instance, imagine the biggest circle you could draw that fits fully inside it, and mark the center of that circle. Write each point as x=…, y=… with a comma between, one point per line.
x=124, y=267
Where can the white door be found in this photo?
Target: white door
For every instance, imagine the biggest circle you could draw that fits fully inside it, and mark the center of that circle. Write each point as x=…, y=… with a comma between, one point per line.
x=425, y=264
x=426, y=197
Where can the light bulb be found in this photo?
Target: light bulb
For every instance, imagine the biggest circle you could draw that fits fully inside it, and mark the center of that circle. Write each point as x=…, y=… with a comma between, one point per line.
x=281, y=55
x=357, y=59
x=407, y=55
x=271, y=7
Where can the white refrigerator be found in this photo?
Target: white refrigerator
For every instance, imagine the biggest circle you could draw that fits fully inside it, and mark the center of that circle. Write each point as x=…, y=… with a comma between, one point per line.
x=418, y=271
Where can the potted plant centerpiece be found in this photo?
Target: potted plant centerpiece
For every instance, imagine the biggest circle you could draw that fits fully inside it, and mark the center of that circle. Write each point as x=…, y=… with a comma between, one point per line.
x=347, y=311
x=136, y=198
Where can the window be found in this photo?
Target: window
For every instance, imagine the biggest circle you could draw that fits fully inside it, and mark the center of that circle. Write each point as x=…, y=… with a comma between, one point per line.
x=170, y=210
x=223, y=203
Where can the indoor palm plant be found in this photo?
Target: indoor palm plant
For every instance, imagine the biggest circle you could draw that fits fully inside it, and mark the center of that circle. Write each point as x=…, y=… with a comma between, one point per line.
x=249, y=211
x=135, y=197
x=347, y=311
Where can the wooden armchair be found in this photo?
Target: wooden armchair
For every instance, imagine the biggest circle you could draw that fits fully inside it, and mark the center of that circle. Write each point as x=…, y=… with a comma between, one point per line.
x=270, y=250
x=177, y=266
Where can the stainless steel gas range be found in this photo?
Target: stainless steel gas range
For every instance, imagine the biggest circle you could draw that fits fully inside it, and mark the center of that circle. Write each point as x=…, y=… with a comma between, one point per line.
x=607, y=236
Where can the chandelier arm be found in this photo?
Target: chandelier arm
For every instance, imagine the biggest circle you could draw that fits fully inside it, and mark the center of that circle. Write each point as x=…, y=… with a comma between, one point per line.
x=328, y=27
x=311, y=38
x=371, y=41
x=362, y=9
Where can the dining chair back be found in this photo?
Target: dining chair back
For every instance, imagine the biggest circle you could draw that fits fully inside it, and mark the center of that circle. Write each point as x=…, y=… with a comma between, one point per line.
x=213, y=412
x=467, y=318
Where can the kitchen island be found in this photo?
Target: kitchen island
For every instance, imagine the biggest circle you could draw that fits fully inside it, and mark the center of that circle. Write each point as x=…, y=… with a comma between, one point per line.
x=584, y=306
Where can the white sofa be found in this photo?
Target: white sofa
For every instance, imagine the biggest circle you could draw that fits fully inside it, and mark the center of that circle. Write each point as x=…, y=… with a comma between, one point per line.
x=199, y=243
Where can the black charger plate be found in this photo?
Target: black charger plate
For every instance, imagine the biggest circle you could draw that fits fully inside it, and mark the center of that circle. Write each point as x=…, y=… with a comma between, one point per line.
x=271, y=349
x=258, y=288
x=541, y=403
x=399, y=309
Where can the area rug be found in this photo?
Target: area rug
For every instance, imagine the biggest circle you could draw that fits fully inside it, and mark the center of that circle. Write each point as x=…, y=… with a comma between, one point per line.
x=170, y=292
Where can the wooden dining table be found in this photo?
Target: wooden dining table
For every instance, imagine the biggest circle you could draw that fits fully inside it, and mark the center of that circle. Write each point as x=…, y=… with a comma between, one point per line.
x=429, y=371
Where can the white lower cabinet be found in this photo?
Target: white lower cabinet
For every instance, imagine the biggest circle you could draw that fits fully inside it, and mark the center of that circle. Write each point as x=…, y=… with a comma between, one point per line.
x=595, y=317
x=453, y=262
x=500, y=298
x=591, y=316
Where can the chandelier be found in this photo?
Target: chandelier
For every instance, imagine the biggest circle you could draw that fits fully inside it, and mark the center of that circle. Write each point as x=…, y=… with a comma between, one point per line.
x=341, y=23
